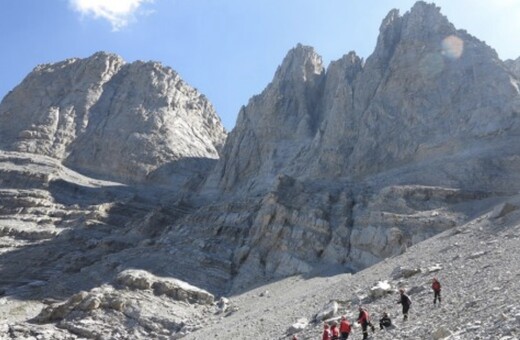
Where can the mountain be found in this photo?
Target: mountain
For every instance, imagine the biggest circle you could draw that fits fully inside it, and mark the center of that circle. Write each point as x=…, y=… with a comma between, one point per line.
x=358, y=161
x=125, y=214
x=133, y=122
x=428, y=91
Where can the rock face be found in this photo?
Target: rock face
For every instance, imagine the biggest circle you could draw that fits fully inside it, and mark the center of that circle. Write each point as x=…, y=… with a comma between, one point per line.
x=328, y=170
x=428, y=91
x=479, y=294
x=359, y=162
x=275, y=125
x=130, y=122
x=514, y=66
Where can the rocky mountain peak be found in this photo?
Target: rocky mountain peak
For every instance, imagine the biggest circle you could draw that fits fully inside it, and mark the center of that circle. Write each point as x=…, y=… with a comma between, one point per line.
x=391, y=19
x=391, y=111
x=128, y=122
x=424, y=19
x=417, y=27
x=422, y=9
x=278, y=122
x=300, y=63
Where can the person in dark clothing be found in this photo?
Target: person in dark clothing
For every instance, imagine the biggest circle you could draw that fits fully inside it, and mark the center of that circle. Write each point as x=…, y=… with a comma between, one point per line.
x=436, y=286
x=364, y=321
x=406, y=302
x=385, y=321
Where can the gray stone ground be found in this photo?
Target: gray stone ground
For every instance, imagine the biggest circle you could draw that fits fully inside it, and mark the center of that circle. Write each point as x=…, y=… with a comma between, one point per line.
x=477, y=264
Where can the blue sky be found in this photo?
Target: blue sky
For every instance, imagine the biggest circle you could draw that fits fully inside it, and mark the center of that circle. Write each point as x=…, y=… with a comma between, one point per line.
x=227, y=49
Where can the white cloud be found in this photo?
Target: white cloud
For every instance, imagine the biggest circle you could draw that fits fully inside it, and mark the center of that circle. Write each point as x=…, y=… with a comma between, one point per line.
x=117, y=12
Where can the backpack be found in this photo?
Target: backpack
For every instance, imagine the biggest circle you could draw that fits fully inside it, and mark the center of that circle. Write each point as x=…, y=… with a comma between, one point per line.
x=367, y=315
x=344, y=326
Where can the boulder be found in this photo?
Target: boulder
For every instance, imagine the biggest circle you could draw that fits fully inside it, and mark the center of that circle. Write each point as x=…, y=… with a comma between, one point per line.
x=404, y=272
x=298, y=326
x=381, y=289
x=328, y=311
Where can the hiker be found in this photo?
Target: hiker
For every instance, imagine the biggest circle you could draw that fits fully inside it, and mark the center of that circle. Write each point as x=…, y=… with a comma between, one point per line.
x=436, y=286
x=295, y=337
x=334, y=331
x=344, y=328
x=364, y=321
x=385, y=321
x=406, y=302
x=326, y=332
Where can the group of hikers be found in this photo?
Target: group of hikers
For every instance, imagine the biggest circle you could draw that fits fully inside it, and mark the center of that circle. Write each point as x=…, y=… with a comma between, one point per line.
x=343, y=330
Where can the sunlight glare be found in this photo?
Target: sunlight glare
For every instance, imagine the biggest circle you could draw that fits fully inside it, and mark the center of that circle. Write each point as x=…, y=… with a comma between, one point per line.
x=452, y=47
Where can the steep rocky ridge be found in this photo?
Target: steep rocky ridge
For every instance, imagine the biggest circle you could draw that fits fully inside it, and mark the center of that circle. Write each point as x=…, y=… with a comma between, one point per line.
x=514, y=66
x=427, y=91
x=275, y=125
x=130, y=122
x=431, y=117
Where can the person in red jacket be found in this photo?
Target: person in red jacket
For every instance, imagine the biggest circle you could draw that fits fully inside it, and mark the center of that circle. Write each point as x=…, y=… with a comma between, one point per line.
x=334, y=331
x=326, y=332
x=364, y=321
x=344, y=328
x=436, y=286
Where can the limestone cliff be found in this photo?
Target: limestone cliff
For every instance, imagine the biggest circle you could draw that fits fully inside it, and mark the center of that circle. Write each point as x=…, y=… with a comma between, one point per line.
x=358, y=162
x=428, y=91
x=275, y=126
x=130, y=122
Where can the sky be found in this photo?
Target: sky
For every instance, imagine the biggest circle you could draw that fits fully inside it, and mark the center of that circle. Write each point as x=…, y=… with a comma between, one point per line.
x=228, y=49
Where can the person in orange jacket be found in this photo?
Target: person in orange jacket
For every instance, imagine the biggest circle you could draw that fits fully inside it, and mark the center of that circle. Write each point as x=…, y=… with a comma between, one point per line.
x=344, y=328
x=364, y=321
x=436, y=286
x=334, y=331
x=326, y=332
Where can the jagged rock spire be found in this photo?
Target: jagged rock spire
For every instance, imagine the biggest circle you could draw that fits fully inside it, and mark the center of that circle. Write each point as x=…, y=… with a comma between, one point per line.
x=277, y=123
x=300, y=63
x=363, y=118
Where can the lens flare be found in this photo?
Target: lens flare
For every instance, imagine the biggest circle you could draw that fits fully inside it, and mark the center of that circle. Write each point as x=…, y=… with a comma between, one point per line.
x=452, y=47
